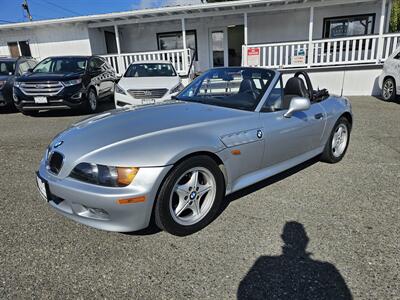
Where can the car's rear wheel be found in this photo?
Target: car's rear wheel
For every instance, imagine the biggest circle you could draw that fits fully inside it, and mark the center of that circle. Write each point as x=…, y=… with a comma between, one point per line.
x=389, y=89
x=190, y=197
x=338, y=142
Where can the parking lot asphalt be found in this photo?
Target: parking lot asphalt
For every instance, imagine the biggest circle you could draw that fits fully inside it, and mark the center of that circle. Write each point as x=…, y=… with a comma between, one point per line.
x=340, y=224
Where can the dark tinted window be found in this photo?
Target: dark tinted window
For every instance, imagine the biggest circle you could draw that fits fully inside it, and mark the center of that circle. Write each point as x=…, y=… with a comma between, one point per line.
x=7, y=67
x=61, y=65
x=95, y=63
x=349, y=26
x=150, y=70
x=240, y=88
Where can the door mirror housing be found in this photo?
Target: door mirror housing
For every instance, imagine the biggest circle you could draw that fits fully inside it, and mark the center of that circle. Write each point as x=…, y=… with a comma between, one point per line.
x=297, y=104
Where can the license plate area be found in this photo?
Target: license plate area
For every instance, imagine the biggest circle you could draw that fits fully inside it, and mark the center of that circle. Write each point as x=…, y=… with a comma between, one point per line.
x=40, y=100
x=148, y=101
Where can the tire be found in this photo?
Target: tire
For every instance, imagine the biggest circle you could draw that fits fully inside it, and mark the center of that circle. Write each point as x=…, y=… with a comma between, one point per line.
x=389, y=89
x=336, y=149
x=186, y=203
x=92, y=102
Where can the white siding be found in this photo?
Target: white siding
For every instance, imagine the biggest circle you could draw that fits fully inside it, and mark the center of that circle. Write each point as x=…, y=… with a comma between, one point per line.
x=293, y=25
x=50, y=41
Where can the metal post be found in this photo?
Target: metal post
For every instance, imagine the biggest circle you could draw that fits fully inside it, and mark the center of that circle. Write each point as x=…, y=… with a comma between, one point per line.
x=310, y=38
x=381, y=30
x=185, y=57
x=119, y=59
x=245, y=29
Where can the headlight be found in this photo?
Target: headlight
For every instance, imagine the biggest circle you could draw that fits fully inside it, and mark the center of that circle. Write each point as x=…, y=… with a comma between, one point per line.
x=2, y=83
x=119, y=89
x=17, y=84
x=104, y=175
x=177, y=89
x=72, y=82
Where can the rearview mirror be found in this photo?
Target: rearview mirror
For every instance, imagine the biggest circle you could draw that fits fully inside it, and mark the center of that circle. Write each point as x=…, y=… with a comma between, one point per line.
x=297, y=104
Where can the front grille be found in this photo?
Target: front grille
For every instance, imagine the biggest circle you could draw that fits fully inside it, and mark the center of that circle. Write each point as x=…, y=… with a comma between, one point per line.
x=55, y=162
x=148, y=94
x=44, y=88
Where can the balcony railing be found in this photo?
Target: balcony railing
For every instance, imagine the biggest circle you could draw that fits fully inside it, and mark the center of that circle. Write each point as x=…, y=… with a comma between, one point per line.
x=369, y=49
x=180, y=59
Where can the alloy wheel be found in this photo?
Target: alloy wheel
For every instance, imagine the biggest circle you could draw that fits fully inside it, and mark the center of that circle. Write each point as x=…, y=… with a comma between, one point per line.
x=340, y=139
x=193, y=196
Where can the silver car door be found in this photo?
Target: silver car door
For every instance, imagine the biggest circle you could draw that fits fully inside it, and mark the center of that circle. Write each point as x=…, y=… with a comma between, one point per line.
x=287, y=138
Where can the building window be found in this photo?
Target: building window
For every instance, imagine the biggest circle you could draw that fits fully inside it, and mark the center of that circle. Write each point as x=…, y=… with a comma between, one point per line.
x=338, y=27
x=173, y=40
x=20, y=48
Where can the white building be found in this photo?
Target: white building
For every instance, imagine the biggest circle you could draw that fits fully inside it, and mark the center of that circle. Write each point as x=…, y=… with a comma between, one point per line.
x=342, y=43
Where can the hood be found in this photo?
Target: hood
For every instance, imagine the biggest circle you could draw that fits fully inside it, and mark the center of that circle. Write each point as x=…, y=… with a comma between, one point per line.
x=49, y=76
x=140, y=83
x=5, y=77
x=142, y=135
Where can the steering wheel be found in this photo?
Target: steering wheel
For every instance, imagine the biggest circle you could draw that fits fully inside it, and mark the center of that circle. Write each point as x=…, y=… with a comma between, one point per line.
x=308, y=83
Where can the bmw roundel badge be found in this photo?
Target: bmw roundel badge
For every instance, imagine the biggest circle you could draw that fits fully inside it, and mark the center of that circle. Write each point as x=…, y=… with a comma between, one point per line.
x=259, y=134
x=58, y=144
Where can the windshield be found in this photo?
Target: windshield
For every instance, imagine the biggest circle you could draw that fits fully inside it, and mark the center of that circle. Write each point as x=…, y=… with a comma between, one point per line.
x=240, y=88
x=61, y=65
x=7, y=67
x=150, y=70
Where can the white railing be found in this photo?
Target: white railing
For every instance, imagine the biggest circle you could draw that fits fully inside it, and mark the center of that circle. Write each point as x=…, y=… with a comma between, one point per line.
x=180, y=58
x=325, y=52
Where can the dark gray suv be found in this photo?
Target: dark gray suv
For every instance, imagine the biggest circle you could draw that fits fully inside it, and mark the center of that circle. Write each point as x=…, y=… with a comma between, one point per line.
x=10, y=68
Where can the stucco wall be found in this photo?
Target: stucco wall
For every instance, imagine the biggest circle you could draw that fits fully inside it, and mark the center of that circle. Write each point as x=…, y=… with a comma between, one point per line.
x=350, y=82
x=50, y=40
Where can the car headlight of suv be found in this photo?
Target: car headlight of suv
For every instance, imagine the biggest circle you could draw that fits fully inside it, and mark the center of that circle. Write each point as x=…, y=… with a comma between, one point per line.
x=17, y=84
x=72, y=82
x=119, y=89
x=104, y=175
x=177, y=89
x=2, y=83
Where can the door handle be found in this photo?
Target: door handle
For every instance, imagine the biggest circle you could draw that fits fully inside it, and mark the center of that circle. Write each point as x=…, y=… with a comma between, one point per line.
x=319, y=116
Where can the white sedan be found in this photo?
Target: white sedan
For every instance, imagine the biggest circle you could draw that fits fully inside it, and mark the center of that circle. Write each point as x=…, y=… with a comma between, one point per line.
x=147, y=83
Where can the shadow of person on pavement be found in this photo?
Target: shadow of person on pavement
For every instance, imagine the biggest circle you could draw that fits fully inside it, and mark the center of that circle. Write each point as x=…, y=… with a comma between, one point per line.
x=293, y=274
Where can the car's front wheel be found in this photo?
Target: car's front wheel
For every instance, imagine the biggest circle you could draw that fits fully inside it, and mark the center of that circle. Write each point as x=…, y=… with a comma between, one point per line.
x=389, y=89
x=338, y=142
x=92, y=102
x=190, y=197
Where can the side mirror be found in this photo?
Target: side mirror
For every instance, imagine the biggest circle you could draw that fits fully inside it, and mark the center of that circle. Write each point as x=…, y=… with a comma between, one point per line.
x=297, y=104
x=29, y=70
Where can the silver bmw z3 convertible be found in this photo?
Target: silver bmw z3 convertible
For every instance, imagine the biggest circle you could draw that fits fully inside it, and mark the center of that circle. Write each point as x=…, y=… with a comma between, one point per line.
x=174, y=162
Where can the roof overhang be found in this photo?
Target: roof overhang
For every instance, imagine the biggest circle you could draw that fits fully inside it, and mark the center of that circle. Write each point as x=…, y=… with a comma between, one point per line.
x=188, y=11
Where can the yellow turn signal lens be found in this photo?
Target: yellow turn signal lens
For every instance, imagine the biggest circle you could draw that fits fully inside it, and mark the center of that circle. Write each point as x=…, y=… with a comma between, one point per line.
x=132, y=200
x=126, y=175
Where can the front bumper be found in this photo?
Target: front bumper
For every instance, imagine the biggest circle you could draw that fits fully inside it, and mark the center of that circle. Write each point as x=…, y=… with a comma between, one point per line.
x=97, y=206
x=124, y=100
x=68, y=98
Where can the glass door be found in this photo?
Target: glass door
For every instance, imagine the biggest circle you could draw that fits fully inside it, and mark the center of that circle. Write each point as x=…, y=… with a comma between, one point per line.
x=219, y=53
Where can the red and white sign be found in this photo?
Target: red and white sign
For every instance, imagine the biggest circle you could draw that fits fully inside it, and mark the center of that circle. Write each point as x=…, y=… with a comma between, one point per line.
x=253, y=57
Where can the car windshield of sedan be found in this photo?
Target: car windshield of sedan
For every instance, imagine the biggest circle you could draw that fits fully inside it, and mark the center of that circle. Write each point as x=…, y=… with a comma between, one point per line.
x=239, y=88
x=61, y=65
x=7, y=67
x=150, y=70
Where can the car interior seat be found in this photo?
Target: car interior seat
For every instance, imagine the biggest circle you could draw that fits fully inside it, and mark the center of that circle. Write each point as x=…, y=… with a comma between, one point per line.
x=294, y=87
